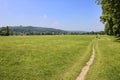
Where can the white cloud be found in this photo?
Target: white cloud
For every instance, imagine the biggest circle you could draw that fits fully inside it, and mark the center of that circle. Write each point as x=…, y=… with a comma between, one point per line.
x=55, y=24
x=46, y=21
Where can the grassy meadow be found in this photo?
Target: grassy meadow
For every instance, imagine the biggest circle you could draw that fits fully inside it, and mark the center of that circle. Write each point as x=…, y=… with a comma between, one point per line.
x=106, y=65
x=51, y=57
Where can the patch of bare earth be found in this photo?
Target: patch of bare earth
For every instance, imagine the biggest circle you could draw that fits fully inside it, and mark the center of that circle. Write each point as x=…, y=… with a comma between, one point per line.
x=86, y=67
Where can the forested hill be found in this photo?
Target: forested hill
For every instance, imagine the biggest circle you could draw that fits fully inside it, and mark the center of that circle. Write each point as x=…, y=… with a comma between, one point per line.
x=33, y=30
x=30, y=30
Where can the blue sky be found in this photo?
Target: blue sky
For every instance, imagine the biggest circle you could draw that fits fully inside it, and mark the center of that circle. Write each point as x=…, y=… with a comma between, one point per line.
x=62, y=14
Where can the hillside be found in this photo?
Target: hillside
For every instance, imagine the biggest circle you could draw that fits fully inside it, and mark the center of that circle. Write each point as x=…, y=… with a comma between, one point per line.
x=33, y=30
x=30, y=30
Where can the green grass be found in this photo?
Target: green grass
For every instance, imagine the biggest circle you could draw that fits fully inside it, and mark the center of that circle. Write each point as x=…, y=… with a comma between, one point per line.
x=106, y=65
x=43, y=57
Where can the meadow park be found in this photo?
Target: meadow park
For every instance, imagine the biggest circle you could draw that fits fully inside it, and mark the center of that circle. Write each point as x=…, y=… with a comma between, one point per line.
x=48, y=53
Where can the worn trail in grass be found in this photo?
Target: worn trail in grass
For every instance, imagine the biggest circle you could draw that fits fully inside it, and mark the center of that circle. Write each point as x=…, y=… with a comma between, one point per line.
x=43, y=57
x=85, y=69
x=106, y=65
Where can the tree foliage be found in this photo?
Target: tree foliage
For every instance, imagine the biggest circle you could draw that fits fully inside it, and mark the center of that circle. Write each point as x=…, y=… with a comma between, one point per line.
x=110, y=16
x=4, y=31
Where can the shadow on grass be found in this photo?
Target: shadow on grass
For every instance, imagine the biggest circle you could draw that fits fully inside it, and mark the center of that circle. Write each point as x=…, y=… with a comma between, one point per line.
x=117, y=39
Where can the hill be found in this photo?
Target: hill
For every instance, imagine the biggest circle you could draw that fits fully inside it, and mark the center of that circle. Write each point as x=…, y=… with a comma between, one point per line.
x=33, y=30
x=30, y=30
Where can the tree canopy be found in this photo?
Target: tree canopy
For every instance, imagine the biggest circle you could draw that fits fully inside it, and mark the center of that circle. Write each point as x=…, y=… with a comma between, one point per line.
x=4, y=31
x=110, y=16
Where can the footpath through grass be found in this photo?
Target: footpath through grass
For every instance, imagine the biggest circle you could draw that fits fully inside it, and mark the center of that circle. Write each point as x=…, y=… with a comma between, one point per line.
x=106, y=65
x=43, y=57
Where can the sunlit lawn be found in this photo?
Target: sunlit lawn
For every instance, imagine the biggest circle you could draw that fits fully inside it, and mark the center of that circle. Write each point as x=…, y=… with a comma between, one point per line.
x=43, y=57
x=107, y=60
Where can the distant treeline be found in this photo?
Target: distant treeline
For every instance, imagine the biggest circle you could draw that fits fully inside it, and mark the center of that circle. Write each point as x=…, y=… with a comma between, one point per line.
x=29, y=30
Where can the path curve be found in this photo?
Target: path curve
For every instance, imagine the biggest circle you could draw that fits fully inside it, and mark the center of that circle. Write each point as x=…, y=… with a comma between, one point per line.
x=85, y=69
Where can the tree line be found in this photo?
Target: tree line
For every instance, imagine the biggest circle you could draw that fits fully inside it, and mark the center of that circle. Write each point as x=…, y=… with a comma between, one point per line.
x=6, y=31
x=110, y=16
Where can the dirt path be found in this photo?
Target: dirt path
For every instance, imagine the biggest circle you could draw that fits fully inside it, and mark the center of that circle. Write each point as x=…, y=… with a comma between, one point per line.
x=86, y=67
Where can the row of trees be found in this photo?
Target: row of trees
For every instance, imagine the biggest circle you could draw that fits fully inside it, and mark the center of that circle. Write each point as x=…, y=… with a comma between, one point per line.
x=36, y=33
x=4, y=31
x=110, y=16
x=58, y=33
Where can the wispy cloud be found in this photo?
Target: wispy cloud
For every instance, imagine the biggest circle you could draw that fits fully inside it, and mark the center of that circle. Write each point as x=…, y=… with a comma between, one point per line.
x=46, y=21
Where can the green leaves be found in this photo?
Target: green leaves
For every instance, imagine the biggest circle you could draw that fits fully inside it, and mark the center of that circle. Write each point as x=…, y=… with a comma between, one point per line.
x=110, y=16
x=4, y=31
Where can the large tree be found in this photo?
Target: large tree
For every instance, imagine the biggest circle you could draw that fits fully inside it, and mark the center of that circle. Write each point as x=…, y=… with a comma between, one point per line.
x=110, y=16
x=7, y=31
x=4, y=31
